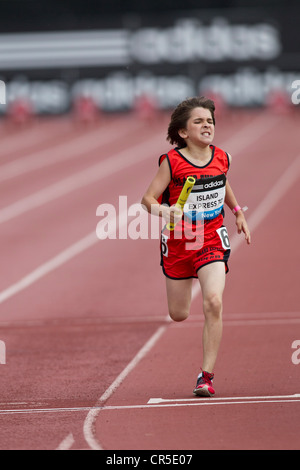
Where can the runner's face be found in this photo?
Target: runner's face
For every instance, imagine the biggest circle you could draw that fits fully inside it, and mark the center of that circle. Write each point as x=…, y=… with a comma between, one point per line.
x=200, y=128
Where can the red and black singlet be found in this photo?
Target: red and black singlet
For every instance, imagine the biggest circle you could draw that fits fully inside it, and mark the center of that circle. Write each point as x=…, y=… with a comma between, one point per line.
x=204, y=206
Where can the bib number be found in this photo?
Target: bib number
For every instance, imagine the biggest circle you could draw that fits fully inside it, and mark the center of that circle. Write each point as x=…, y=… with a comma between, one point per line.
x=223, y=234
x=164, y=245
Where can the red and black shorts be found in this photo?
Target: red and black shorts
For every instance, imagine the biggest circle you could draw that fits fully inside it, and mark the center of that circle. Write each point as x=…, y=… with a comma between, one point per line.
x=182, y=258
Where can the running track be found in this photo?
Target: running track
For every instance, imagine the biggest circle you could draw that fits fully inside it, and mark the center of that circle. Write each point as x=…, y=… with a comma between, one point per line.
x=92, y=361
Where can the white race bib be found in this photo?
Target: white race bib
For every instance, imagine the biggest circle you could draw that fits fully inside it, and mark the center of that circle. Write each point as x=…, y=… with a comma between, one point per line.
x=206, y=200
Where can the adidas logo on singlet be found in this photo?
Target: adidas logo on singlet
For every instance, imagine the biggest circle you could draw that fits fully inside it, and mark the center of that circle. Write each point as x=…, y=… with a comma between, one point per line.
x=213, y=184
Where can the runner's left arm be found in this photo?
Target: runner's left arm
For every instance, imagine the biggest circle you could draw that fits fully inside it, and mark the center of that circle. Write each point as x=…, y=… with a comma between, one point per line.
x=241, y=223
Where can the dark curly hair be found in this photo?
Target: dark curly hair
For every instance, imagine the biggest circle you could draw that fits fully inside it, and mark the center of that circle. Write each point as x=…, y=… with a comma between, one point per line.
x=181, y=115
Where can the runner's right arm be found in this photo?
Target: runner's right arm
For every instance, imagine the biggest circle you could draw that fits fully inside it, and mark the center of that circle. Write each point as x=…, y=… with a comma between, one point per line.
x=157, y=187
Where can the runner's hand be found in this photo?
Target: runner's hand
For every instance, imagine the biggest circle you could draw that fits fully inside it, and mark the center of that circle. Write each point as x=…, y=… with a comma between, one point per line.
x=173, y=214
x=242, y=226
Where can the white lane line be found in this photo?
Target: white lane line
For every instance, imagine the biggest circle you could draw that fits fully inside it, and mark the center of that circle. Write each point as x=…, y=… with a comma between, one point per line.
x=75, y=147
x=152, y=403
x=81, y=179
x=74, y=409
x=67, y=443
x=155, y=401
x=198, y=402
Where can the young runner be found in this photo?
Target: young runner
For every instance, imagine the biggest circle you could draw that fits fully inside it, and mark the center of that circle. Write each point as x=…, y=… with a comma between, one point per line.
x=199, y=246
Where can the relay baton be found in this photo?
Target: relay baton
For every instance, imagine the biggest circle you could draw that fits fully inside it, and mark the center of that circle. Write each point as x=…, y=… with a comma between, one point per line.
x=185, y=192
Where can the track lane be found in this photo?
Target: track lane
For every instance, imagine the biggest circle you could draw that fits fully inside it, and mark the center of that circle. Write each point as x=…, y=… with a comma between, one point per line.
x=70, y=288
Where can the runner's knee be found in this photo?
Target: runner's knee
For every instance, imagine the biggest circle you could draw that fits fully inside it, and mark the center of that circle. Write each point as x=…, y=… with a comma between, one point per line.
x=178, y=315
x=212, y=305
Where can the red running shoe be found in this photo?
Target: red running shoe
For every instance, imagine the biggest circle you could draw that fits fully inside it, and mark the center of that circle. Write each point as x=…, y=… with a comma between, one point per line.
x=204, y=386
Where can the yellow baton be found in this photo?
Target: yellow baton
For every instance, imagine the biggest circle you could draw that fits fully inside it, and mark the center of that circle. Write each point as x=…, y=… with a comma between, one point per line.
x=185, y=192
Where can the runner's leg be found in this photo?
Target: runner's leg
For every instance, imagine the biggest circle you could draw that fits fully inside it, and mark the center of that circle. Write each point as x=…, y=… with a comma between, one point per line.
x=179, y=293
x=212, y=281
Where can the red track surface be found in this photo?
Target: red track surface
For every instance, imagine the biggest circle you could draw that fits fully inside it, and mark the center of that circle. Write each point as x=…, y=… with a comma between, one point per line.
x=88, y=343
